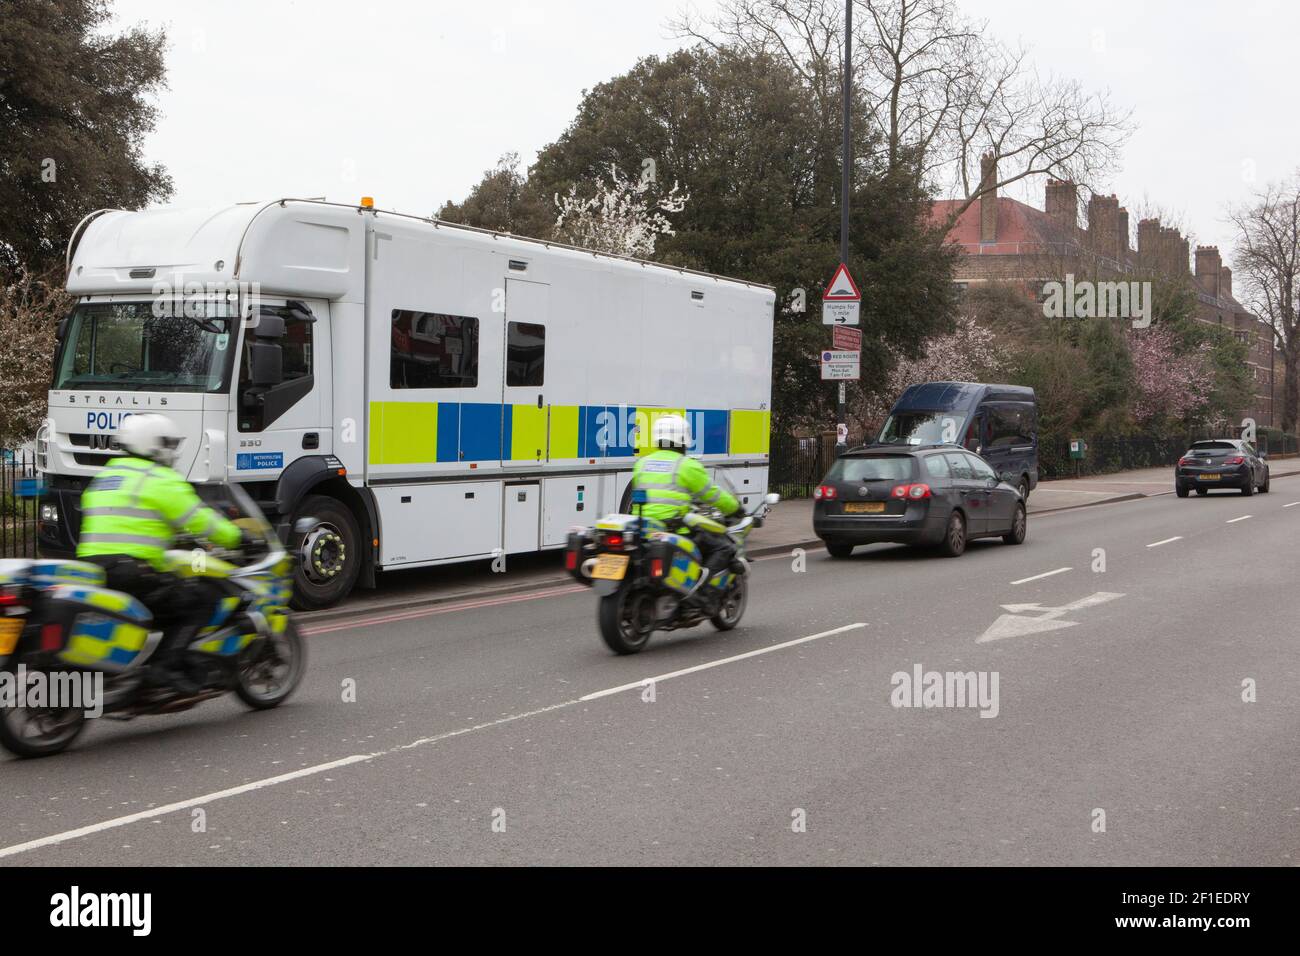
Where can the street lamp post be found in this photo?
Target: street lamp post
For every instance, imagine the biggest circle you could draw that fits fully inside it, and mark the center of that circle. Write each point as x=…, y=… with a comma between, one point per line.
x=846, y=172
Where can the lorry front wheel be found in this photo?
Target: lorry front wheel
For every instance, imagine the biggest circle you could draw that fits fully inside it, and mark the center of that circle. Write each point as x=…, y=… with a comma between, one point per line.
x=329, y=554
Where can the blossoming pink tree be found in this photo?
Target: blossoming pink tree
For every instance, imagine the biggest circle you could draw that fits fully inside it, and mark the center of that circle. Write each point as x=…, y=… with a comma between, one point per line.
x=1169, y=386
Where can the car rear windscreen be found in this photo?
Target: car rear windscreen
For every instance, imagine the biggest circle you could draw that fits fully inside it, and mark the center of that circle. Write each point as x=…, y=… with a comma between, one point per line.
x=877, y=468
x=1214, y=446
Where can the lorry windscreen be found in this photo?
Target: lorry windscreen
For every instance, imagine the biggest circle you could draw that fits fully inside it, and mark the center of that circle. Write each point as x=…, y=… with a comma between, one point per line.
x=921, y=428
x=125, y=345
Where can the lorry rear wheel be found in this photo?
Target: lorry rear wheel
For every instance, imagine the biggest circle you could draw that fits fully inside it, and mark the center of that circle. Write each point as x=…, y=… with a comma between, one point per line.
x=329, y=554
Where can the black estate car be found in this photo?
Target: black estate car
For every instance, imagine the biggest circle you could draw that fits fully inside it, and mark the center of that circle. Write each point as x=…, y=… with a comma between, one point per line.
x=939, y=495
x=1221, y=463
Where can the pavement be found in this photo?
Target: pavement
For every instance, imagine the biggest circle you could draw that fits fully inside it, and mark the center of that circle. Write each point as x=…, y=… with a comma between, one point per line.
x=1137, y=657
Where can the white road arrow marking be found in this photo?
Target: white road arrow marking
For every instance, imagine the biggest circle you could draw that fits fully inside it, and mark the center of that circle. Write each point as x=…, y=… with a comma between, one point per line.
x=1018, y=624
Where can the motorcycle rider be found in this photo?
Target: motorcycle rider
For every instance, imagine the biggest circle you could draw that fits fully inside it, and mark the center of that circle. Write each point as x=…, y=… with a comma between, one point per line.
x=131, y=514
x=673, y=482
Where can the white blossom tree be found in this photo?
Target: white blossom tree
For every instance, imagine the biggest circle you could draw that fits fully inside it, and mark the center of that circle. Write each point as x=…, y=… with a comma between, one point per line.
x=623, y=216
x=30, y=309
x=966, y=354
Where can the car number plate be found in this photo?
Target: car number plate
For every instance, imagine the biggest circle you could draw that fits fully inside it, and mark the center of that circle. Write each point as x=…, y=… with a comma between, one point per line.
x=1209, y=477
x=864, y=507
x=610, y=567
x=11, y=628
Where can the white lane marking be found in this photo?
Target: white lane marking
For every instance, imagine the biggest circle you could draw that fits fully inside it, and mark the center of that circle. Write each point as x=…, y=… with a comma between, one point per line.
x=1045, y=574
x=1292, y=504
x=726, y=660
x=68, y=835
x=182, y=805
x=1019, y=624
x=1235, y=520
x=1156, y=544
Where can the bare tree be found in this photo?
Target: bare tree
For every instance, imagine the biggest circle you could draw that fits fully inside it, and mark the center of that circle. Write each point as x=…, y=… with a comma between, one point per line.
x=1267, y=260
x=939, y=88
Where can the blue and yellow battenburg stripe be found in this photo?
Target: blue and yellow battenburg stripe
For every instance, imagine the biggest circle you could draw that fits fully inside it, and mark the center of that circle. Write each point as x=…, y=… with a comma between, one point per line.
x=404, y=433
x=98, y=640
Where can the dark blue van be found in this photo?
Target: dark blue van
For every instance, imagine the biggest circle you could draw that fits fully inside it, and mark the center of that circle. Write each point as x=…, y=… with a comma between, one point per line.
x=997, y=422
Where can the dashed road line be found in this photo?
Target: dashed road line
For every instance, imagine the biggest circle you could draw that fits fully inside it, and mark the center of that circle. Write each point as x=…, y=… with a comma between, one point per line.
x=1045, y=574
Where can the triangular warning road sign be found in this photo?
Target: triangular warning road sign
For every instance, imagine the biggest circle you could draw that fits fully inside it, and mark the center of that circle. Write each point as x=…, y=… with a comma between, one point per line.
x=842, y=288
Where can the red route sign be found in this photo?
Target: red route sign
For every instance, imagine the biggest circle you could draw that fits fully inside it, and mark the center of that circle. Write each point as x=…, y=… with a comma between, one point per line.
x=846, y=339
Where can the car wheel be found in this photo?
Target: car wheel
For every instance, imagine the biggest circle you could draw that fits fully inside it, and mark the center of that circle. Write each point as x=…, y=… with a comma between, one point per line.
x=1023, y=488
x=954, y=538
x=1202, y=491
x=1263, y=489
x=1248, y=488
x=839, y=549
x=1180, y=491
x=1019, y=525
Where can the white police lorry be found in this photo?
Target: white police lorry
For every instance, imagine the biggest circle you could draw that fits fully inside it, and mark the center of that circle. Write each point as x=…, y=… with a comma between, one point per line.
x=428, y=392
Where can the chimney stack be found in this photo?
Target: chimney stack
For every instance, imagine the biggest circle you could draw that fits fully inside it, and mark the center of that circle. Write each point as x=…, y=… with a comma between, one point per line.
x=1225, y=282
x=1208, y=267
x=1123, y=234
x=988, y=198
x=1104, y=226
x=1061, y=203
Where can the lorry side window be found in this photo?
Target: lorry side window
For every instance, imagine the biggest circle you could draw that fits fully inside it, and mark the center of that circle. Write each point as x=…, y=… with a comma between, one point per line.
x=433, y=350
x=525, y=353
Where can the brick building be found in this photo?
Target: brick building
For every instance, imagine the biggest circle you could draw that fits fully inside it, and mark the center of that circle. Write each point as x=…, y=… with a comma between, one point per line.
x=1005, y=240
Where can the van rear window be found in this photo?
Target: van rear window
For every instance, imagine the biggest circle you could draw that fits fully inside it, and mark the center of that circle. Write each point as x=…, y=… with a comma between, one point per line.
x=876, y=468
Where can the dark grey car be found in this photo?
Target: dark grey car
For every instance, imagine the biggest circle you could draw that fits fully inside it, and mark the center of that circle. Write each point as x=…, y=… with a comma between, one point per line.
x=932, y=495
x=1221, y=463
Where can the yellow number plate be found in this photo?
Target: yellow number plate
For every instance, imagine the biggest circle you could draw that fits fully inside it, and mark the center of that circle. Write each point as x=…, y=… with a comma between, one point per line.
x=11, y=628
x=1209, y=477
x=864, y=507
x=610, y=567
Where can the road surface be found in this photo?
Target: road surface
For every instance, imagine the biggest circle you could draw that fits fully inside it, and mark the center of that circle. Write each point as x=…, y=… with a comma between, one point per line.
x=493, y=730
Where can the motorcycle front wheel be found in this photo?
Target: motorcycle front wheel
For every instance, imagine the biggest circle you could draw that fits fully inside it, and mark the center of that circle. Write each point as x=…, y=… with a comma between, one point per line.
x=272, y=669
x=627, y=619
x=39, y=731
x=733, y=604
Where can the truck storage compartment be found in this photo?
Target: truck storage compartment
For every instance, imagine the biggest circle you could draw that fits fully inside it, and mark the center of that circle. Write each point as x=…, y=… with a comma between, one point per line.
x=438, y=521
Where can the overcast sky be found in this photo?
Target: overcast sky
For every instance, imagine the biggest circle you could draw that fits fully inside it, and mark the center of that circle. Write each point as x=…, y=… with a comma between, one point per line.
x=411, y=101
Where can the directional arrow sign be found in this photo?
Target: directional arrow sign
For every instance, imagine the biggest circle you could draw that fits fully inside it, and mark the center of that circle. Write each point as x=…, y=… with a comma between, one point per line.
x=1018, y=624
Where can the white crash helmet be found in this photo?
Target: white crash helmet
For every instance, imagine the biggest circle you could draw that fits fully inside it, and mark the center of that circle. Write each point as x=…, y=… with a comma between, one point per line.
x=671, y=431
x=151, y=436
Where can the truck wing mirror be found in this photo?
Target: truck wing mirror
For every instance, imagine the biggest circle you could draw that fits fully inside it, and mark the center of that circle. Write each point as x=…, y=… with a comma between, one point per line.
x=265, y=363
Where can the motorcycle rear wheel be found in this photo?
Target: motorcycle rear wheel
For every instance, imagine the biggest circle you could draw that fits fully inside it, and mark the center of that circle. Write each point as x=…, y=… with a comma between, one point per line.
x=39, y=731
x=273, y=672
x=627, y=619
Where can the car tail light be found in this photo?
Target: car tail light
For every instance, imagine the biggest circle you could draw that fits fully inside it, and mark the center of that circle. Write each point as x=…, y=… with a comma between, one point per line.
x=1238, y=460
x=1184, y=461
x=825, y=493
x=657, y=568
x=914, y=492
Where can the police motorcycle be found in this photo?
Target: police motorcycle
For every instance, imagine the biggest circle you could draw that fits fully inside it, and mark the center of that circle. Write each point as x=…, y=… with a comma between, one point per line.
x=62, y=628
x=651, y=578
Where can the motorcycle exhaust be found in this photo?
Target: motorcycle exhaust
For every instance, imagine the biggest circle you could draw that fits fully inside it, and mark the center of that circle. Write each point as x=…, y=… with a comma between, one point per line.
x=588, y=567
